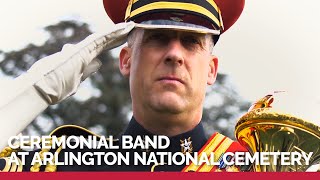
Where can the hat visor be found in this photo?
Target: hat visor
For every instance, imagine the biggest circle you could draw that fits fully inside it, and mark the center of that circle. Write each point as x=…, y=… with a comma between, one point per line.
x=179, y=26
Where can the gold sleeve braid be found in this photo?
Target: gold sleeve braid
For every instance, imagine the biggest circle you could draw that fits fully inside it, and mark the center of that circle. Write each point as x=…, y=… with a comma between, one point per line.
x=13, y=167
x=10, y=167
x=6, y=165
x=49, y=167
x=6, y=152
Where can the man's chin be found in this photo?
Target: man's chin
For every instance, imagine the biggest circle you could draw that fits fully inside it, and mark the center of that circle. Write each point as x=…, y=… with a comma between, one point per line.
x=169, y=102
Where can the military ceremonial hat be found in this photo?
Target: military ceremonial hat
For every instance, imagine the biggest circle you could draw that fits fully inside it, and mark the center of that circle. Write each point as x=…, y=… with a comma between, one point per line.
x=202, y=16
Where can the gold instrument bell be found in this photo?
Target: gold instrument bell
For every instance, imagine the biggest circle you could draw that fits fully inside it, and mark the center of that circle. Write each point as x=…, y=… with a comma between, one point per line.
x=264, y=128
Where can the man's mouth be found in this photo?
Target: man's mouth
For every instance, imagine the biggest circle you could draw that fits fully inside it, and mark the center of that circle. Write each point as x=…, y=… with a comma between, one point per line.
x=171, y=79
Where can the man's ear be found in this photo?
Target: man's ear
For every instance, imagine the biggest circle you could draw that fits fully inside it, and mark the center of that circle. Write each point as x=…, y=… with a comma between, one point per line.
x=213, y=70
x=125, y=64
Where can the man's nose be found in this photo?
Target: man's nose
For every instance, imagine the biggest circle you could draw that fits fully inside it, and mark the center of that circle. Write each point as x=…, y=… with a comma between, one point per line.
x=175, y=53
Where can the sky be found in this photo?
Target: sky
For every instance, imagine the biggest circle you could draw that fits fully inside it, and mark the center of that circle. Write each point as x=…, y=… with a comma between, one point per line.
x=273, y=46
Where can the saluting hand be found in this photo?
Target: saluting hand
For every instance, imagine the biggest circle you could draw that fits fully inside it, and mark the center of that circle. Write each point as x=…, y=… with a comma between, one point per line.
x=58, y=76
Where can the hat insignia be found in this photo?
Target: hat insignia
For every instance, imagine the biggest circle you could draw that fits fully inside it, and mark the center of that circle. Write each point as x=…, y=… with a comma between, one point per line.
x=177, y=19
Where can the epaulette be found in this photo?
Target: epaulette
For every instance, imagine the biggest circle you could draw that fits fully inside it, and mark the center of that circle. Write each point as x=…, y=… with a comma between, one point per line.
x=218, y=144
x=65, y=130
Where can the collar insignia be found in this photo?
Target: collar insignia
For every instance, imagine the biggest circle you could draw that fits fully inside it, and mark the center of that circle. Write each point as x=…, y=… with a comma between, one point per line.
x=186, y=145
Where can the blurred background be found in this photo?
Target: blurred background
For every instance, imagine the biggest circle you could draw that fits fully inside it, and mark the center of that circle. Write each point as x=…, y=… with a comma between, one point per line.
x=273, y=46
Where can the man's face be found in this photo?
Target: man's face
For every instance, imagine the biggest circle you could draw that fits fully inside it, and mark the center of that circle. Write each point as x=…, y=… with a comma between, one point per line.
x=168, y=70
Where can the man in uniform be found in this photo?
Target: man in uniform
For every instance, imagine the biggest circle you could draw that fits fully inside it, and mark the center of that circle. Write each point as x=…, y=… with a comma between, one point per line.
x=169, y=62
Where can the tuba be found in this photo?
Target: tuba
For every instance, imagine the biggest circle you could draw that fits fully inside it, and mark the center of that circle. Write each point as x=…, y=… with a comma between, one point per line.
x=263, y=129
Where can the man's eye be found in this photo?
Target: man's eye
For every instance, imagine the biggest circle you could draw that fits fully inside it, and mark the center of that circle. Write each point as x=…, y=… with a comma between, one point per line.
x=192, y=43
x=191, y=40
x=157, y=37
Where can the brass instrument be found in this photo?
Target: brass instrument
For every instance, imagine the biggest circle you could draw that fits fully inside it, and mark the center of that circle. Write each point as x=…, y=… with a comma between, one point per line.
x=263, y=129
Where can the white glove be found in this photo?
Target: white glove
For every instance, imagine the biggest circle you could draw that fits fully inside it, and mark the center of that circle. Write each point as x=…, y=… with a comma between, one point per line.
x=53, y=79
x=58, y=76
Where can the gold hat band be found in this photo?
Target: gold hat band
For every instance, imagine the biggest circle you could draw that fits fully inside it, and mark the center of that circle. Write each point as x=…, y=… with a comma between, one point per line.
x=205, y=8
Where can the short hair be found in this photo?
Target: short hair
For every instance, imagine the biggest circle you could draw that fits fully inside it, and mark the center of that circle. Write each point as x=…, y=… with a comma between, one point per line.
x=131, y=37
